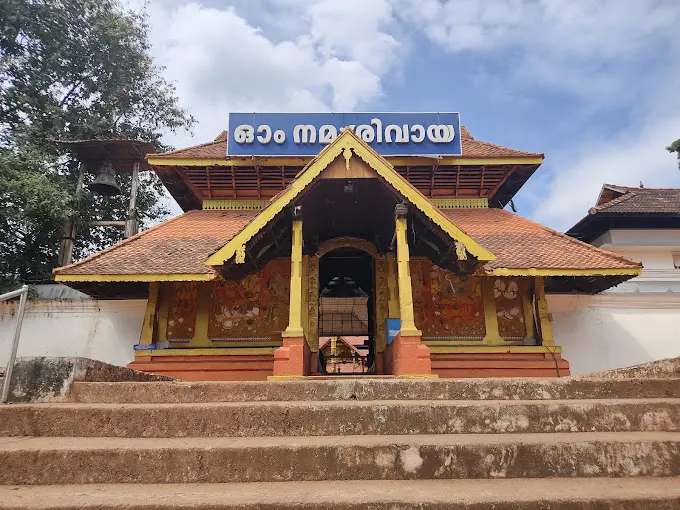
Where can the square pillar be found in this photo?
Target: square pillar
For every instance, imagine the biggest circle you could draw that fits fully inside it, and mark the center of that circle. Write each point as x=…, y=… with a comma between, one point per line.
x=409, y=356
x=543, y=316
x=292, y=359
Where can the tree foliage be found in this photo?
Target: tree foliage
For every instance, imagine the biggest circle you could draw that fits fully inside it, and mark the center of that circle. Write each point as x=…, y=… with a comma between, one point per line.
x=675, y=147
x=71, y=70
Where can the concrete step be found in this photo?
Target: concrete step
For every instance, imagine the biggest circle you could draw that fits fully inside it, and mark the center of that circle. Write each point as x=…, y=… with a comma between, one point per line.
x=375, y=389
x=554, y=494
x=45, y=461
x=339, y=418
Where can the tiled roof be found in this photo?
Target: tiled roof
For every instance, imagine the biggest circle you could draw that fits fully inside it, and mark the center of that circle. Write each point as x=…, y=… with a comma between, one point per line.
x=641, y=201
x=183, y=244
x=180, y=245
x=217, y=149
x=519, y=243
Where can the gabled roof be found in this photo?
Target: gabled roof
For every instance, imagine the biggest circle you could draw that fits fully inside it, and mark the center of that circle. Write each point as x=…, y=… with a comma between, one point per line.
x=349, y=145
x=217, y=149
x=629, y=207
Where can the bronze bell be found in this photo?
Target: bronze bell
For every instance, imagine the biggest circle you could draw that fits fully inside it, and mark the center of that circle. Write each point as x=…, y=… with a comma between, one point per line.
x=105, y=183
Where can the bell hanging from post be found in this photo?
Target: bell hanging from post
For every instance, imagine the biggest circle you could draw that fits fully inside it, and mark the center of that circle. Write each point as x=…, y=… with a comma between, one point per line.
x=105, y=183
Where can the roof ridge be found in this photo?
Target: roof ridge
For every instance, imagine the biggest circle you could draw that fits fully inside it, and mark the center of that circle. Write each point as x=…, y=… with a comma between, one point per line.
x=177, y=151
x=573, y=240
x=489, y=144
x=627, y=195
x=124, y=242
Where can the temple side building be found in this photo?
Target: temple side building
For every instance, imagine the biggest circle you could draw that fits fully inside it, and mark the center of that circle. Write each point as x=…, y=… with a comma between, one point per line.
x=415, y=253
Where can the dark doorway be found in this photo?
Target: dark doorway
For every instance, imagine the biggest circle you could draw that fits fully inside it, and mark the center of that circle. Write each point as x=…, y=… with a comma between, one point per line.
x=346, y=313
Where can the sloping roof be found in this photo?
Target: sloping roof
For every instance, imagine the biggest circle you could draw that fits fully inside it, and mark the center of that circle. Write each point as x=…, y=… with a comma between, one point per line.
x=182, y=245
x=349, y=145
x=641, y=201
x=217, y=149
x=521, y=244
x=177, y=248
x=626, y=207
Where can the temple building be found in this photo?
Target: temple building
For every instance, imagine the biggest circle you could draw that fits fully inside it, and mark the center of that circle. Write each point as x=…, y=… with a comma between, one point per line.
x=275, y=252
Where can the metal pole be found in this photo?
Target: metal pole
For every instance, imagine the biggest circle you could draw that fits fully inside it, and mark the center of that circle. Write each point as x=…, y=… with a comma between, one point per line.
x=15, y=342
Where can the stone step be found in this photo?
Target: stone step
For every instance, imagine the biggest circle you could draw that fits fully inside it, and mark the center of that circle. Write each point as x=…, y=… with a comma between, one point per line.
x=339, y=418
x=45, y=461
x=375, y=389
x=554, y=494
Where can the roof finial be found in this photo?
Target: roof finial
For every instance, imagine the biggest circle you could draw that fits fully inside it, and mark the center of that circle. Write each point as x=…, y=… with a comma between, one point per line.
x=642, y=185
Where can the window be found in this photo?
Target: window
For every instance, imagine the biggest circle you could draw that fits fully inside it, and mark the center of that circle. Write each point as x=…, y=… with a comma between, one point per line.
x=676, y=259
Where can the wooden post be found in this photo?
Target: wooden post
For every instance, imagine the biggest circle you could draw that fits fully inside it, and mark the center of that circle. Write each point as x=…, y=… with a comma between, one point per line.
x=131, y=224
x=528, y=311
x=543, y=314
x=148, y=328
x=68, y=236
x=294, y=328
x=408, y=325
x=393, y=290
x=492, y=336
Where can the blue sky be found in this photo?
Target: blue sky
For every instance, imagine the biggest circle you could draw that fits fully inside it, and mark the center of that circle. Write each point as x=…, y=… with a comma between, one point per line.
x=595, y=85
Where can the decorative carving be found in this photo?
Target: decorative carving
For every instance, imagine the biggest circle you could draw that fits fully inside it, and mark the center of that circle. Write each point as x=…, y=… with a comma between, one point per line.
x=400, y=210
x=241, y=254
x=254, y=307
x=461, y=252
x=347, y=242
x=446, y=305
x=182, y=311
x=507, y=293
x=381, y=302
x=347, y=153
x=313, y=303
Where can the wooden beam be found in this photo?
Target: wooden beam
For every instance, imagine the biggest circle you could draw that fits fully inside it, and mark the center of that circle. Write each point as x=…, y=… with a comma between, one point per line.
x=481, y=181
x=207, y=177
x=502, y=181
x=434, y=171
x=233, y=182
x=455, y=193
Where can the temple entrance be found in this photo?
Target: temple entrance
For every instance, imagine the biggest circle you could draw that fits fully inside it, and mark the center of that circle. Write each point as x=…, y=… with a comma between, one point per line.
x=346, y=313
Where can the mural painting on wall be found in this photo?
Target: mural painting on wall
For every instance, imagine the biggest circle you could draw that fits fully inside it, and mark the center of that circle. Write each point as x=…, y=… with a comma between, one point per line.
x=182, y=312
x=507, y=293
x=445, y=305
x=255, y=307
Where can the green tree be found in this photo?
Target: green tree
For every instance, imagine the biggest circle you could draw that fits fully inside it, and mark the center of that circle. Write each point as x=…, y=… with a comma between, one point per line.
x=70, y=70
x=675, y=147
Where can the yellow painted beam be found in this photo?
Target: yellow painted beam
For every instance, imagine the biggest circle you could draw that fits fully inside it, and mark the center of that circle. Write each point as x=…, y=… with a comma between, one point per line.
x=633, y=271
x=203, y=305
x=147, y=336
x=495, y=349
x=165, y=277
x=294, y=328
x=392, y=286
x=394, y=160
x=528, y=307
x=408, y=325
x=492, y=336
x=211, y=351
x=348, y=142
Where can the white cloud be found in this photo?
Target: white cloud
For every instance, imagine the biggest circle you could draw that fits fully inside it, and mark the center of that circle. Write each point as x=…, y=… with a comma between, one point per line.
x=633, y=156
x=220, y=62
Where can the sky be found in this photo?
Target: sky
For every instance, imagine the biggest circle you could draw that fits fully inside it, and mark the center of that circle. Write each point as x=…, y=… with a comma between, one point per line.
x=592, y=84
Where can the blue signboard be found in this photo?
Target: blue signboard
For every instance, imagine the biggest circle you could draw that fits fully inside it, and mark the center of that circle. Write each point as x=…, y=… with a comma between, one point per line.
x=393, y=328
x=305, y=134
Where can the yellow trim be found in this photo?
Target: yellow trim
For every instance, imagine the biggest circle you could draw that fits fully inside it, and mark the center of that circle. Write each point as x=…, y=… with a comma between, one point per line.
x=149, y=326
x=394, y=160
x=347, y=242
x=294, y=329
x=418, y=376
x=460, y=203
x=203, y=305
x=408, y=324
x=287, y=377
x=492, y=335
x=234, y=205
x=214, y=351
x=173, y=277
x=346, y=140
x=544, y=317
x=495, y=349
x=565, y=272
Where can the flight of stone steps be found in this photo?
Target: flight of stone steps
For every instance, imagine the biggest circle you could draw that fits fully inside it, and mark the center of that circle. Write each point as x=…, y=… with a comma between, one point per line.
x=348, y=444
